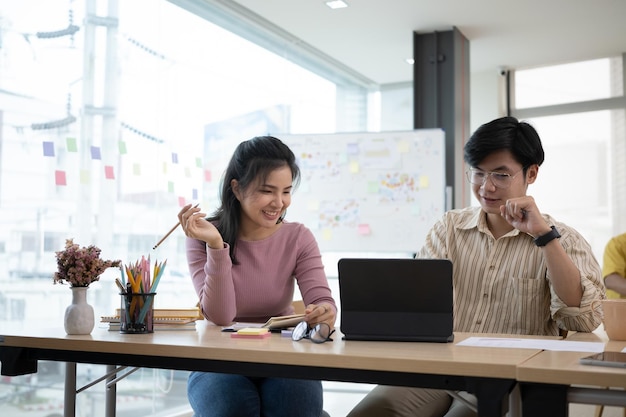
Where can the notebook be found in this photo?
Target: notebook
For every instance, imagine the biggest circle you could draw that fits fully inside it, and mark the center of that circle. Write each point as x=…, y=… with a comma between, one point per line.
x=396, y=299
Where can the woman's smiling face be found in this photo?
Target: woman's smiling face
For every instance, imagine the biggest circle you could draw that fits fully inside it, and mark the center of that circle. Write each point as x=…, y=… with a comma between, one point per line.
x=264, y=201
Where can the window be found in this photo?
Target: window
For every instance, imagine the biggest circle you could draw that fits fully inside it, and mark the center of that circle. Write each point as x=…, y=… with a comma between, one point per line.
x=568, y=83
x=106, y=122
x=583, y=136
x=107, y=149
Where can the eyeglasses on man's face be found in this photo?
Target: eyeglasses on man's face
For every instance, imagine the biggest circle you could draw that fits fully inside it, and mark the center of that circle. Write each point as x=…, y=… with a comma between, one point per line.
x=499, y=179
x=319, y=333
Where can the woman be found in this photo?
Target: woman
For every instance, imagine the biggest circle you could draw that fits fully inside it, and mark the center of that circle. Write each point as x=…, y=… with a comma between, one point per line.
x=244, y=261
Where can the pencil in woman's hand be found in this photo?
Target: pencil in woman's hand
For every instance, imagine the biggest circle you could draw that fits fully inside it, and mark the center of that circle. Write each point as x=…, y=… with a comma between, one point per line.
x=166, y=235
x=170, y=232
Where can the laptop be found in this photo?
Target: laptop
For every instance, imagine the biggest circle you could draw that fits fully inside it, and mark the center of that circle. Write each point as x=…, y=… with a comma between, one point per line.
x=396, y=299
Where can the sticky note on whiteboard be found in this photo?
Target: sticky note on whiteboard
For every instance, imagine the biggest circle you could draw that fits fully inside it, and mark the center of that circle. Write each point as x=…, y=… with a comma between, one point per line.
x=403, y=146
x=354, y=167
x=364, y=230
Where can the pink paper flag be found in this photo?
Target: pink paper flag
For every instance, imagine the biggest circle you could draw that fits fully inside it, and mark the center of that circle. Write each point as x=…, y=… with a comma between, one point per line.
x=59, y=178
x=108, y=172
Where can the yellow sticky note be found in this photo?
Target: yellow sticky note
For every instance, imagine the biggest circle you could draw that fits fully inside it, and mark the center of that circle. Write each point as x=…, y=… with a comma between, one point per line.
x=354, y=167
x=424, y=181
x=327, y=234
x=253, y=330
x=403, y=146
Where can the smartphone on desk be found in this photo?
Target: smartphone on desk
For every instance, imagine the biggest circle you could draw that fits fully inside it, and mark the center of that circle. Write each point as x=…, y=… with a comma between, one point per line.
x=613, y=359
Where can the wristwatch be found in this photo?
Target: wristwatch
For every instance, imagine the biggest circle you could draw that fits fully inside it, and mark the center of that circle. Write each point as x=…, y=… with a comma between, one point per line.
x=543, y=240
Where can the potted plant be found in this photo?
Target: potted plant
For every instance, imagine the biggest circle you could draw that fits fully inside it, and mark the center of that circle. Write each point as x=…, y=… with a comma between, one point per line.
x=79, y=267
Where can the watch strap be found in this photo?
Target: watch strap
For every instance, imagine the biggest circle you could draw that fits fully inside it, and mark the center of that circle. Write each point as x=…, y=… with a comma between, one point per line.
x=543, y=240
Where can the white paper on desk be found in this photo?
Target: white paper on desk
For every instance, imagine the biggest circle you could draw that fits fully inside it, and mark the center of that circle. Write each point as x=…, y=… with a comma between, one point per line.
x=543, y=344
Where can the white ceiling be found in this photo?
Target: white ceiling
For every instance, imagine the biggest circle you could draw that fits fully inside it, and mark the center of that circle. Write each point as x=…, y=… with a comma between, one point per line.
x=374, y=37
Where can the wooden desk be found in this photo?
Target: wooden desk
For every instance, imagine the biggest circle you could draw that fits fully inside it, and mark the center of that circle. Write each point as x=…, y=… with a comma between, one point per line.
x=489, y=373
x=551, y=380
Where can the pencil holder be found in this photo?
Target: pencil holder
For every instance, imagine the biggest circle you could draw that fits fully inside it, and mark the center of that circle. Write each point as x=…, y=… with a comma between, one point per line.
x=137, y=313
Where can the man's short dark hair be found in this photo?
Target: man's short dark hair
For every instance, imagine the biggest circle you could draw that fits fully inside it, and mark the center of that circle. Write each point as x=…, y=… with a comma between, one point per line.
x=505, y=133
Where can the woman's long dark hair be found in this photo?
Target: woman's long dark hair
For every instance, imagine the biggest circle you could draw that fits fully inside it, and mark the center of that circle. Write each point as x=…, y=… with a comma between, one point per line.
x=252, y=160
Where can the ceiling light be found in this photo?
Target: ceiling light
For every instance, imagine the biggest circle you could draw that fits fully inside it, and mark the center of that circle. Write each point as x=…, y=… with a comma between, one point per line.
x=336, y=4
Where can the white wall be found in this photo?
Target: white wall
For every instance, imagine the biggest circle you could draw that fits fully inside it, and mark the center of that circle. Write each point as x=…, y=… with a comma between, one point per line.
x=396, y=107
x=486, y=90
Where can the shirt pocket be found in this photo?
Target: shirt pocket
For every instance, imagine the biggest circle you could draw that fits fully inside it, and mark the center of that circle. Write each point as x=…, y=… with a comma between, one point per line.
x=530, y=305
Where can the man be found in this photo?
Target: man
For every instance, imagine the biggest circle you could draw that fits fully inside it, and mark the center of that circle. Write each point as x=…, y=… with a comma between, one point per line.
x=516, y=270
x=614, y=267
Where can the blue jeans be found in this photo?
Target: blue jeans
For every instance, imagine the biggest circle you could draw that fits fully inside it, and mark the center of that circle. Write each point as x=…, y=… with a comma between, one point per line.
x=226, y=395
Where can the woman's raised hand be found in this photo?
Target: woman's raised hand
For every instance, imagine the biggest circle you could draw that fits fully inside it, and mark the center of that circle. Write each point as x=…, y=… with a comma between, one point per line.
x=194, y=224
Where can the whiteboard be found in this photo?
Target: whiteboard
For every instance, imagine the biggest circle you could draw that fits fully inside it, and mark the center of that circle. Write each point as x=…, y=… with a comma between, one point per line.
x=369, y=191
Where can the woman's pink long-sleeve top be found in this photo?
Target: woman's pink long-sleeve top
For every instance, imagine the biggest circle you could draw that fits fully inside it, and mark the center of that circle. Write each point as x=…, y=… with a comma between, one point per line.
x=262, y=284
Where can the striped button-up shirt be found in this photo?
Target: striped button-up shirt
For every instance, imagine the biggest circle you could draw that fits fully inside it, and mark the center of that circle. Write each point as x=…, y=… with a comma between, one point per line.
x=503, y=285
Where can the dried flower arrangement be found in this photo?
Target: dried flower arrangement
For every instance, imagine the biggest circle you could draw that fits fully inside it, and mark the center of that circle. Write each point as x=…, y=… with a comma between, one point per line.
x=80, y=266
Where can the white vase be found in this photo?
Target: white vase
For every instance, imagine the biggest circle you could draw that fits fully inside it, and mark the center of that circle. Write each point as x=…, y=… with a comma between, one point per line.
x=79, y=317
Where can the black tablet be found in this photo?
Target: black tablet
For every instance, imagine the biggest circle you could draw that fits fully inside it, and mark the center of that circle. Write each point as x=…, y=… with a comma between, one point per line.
x=613, y=359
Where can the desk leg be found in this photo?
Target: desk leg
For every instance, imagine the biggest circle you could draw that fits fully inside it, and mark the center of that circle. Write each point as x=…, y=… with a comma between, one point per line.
x=492, y=395
x=69, y=405
x=111, y=393
x=547, y=400
x=515, y=402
